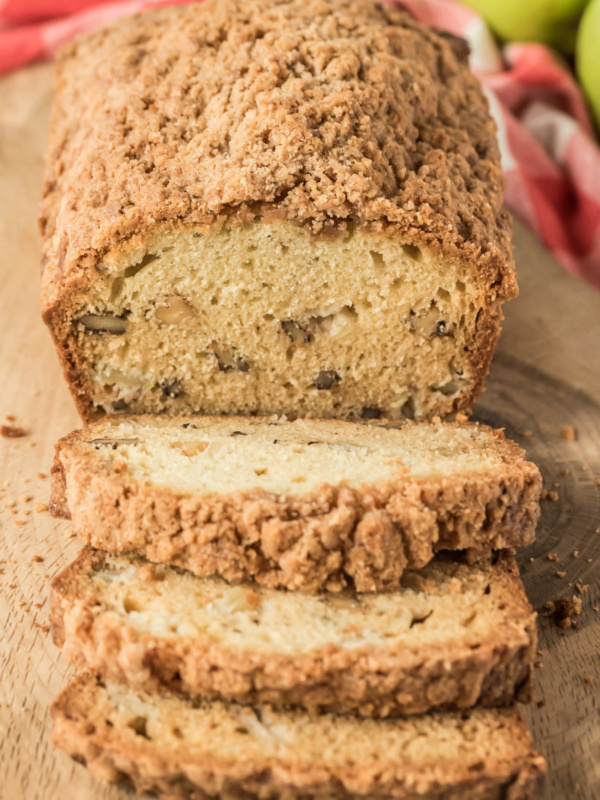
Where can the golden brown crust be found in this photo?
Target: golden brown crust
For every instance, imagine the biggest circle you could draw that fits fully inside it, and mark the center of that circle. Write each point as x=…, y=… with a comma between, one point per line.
x=58, y=492
x=372, y=681
x=83, y=730
x=322, y=540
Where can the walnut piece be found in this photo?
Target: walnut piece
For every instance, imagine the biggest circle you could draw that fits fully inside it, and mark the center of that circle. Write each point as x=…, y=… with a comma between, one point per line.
x=104, y=323
x=296, y=333
x=326, y=378
x=228, y=358
x=429, y=323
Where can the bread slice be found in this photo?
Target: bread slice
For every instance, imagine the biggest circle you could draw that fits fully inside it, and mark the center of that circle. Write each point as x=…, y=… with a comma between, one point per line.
x=202, y=750
x=453, y=636
x=307, y=505
x=254, y=210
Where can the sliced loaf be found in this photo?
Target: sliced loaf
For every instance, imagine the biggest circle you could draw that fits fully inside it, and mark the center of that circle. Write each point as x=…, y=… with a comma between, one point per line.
x=308, y=504
x=453, y=636
x=180, y=749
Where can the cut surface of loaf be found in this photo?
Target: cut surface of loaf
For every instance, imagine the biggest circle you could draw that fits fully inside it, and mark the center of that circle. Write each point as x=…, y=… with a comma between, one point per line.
x=308, y=504
x=211, y=749
x=292, y=207
x=455, y=635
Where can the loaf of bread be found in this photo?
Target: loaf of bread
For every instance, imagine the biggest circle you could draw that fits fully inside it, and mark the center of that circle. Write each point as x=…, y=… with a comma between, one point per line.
x=308, y=504
x=202, y=750
x=454, y=635
x=291, y=206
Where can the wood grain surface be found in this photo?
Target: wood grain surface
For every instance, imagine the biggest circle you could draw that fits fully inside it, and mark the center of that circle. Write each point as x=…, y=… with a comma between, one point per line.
x=545, y=377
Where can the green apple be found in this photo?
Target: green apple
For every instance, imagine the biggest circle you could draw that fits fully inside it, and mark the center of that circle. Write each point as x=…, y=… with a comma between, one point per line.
x=587, y=56
x=553, y=22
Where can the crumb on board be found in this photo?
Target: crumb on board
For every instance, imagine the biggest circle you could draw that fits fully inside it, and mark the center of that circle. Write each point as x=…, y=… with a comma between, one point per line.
x=575, y=553
x=562, y=610
x=42, y=475
x=528, y=433
x=553, y=557
x=560, y=574
x=37, y=559
x=564, y=472
x=11, y=431
x=40, y=507
x=568, y=433
x=552, y=496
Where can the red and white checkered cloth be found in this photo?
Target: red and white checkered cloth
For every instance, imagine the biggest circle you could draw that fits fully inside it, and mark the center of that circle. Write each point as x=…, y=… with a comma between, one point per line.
x=550, y=156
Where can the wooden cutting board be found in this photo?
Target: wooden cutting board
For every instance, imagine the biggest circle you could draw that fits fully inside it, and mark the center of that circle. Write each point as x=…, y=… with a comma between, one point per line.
x=545, y=376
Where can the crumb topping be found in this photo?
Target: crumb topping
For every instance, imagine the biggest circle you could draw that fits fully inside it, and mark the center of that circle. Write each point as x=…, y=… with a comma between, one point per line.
x=325, y=112
x=562, y=611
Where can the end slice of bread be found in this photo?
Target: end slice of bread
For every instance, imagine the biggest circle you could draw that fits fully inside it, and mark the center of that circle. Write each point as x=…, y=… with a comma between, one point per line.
x=307, y=505
x=454, y=635
x=323, y=236
x=181, y=749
